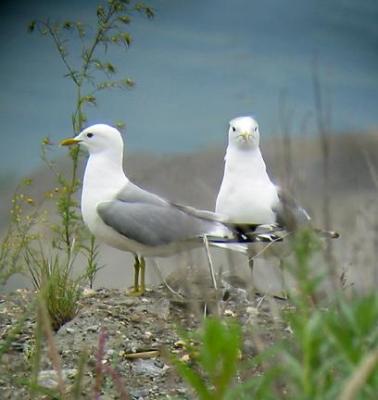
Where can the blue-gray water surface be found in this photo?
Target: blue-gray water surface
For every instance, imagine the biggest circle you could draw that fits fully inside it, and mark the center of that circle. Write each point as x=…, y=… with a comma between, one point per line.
x=196, y=65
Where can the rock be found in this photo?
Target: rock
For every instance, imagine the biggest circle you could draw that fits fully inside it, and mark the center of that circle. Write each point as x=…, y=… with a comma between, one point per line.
x=159, y=363
x=253, y=311
x=179, y=344
x=185, y=358
x=18, y=346
x=49, y=378
x=161, y=308
x=93, y=328
x=110, y=352
x=138, y=394
x=88, y=292
x=149, y=368
x=127, y=302
x=147, y=335
x=229, y=313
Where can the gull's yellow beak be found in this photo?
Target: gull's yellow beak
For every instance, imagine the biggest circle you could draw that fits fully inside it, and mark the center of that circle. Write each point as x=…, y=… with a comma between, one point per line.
x=246, y=135
x=69, y=142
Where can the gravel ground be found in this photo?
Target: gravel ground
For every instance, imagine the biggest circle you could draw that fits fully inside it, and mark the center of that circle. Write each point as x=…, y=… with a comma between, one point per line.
x=141, y=336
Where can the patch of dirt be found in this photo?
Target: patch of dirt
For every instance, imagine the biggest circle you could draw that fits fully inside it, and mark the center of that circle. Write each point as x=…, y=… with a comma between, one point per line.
x=142, y=334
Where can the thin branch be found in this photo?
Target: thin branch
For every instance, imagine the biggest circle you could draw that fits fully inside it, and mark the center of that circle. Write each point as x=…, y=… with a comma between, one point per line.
x=210, y=262
x=60, y=47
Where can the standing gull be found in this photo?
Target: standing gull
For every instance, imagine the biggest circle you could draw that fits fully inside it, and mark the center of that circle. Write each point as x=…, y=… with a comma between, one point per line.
x=129, y=218
x=247, y=194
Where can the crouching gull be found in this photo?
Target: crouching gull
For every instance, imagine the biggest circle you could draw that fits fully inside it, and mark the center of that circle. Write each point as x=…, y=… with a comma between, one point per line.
x=247, y=194
x=129, y=218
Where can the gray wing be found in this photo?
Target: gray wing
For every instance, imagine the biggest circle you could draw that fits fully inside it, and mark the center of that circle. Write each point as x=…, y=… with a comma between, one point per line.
x=148, y=219
x=132, y=193
x=289, y=213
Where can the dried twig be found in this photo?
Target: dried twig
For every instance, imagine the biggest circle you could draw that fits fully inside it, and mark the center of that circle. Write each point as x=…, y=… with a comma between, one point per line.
x=210, y=262
x=142, y=354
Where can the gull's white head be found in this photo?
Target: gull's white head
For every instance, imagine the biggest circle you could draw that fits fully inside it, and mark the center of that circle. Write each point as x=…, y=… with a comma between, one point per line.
x=244, y=133
x=98, y=138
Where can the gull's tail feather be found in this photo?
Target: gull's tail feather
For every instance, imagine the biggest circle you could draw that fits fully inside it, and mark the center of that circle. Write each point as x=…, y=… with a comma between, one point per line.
x=239, y=247
x=246, y=234
x=258, y=233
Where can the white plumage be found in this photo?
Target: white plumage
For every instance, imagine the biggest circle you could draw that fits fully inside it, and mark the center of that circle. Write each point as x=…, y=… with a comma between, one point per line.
x=247, y=194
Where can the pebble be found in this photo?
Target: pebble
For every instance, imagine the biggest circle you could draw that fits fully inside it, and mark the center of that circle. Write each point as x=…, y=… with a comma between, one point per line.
x=127, y=302
x=179, y=344
x=147, y=334
x=185, y=358
x=138, y=394
x=229, y=313
x=148, y=368
x=252, y=311
x=92, y=328
x=161, y=308
x=88, y=292
x=49, y=378
x=110, y=352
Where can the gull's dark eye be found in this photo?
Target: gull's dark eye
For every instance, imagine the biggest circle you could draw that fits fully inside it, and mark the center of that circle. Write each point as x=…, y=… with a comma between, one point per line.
x=233, y=129
x=89, y=135
x=256, y=129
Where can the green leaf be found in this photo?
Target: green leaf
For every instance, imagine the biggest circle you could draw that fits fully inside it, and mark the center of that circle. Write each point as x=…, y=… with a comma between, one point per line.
x=125, y=19
x=148, y=11
x=80, y=29
x=128, y=82
x=116, y=38
x=27, y=181
x=67, y=25
x=120, y=124
x=100, y=12
x=31, y=26
x=127, y=39
x=194, y=379
x=90, y=99
x=110, y=68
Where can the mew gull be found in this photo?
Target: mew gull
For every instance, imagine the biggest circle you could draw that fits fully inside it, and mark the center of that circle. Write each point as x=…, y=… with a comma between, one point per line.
x=247, y=193
x=129, y=218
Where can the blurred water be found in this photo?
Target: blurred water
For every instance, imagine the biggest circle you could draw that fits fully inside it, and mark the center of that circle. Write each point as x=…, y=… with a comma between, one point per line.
x=197, y=64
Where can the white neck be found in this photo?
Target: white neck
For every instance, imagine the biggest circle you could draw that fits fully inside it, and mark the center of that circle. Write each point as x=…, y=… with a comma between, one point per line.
x=236, y=161
x=103, y=178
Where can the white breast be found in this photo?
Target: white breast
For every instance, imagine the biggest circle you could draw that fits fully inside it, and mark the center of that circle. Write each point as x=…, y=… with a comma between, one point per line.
x=247, y=194
x=101, y=183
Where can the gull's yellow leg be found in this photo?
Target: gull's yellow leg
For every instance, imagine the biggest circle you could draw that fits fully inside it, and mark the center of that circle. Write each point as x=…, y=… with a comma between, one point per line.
x=136, y=274
x=135, y=289
x=142, y=263
x=139, y=268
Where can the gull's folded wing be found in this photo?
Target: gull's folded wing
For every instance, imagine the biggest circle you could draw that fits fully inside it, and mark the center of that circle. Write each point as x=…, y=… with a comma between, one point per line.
x=152, y=224
x=289, y=214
